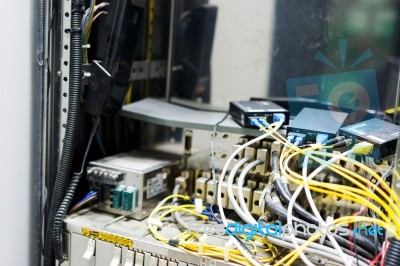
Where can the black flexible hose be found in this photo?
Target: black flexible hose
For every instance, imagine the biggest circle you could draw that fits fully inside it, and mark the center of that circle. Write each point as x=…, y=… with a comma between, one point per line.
x=392, y=256
x=62, y=211
x=75, y=84
x=58, y=220
x=37, y=179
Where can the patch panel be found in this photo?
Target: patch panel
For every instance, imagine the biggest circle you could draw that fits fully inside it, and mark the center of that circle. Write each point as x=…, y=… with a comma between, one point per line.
x=86, y=250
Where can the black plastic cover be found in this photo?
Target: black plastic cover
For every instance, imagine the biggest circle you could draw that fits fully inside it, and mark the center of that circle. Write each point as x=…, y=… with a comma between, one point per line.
x=122, y=26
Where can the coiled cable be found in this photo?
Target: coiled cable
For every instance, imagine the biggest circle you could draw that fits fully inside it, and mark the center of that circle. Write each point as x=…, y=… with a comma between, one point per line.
x=75, y=84
x=58, y=220
x=392, y=256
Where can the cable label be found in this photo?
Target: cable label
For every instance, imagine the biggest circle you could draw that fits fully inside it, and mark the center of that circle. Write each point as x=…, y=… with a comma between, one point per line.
x=115, y=239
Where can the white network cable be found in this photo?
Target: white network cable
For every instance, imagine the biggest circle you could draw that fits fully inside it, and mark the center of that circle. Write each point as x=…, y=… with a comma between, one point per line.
x=313, y=207
x=229, y=188
x=221, y=179
x=240, y=183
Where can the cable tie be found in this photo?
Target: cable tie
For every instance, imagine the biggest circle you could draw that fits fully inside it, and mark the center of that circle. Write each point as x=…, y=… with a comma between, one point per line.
x=154, y=221
x=76, y=30
x=228, y=246
x=198, y=203
x=325, y=225
x=202, y=241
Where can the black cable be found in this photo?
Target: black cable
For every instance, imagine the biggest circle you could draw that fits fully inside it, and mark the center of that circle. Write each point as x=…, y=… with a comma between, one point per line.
x=343, y=143
x=278, y=209
x=363, y=245
x=392, y=256
x=363, y=254
x=362, y=240
x=286, y=197
x=63, y=171
x=58, y=220
x=213, y=162
x=334, y=140
x=49, y=79
x=343, y=243
x=356, y=251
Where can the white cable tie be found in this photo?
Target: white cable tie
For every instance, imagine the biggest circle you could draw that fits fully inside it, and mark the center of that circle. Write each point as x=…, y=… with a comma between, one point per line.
x=89, y=253
x=116, y=257
x=202, y=241
x=228, y=246
x=157, y=222
x=325, y=225
x=198, y=203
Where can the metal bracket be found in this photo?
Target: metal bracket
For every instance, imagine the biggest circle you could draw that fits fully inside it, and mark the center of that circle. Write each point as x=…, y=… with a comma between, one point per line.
x=142, y=70
x=63, y=74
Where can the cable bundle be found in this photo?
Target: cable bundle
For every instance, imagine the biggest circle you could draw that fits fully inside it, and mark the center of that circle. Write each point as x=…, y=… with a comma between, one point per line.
x=355, y=248
x=191, y=242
